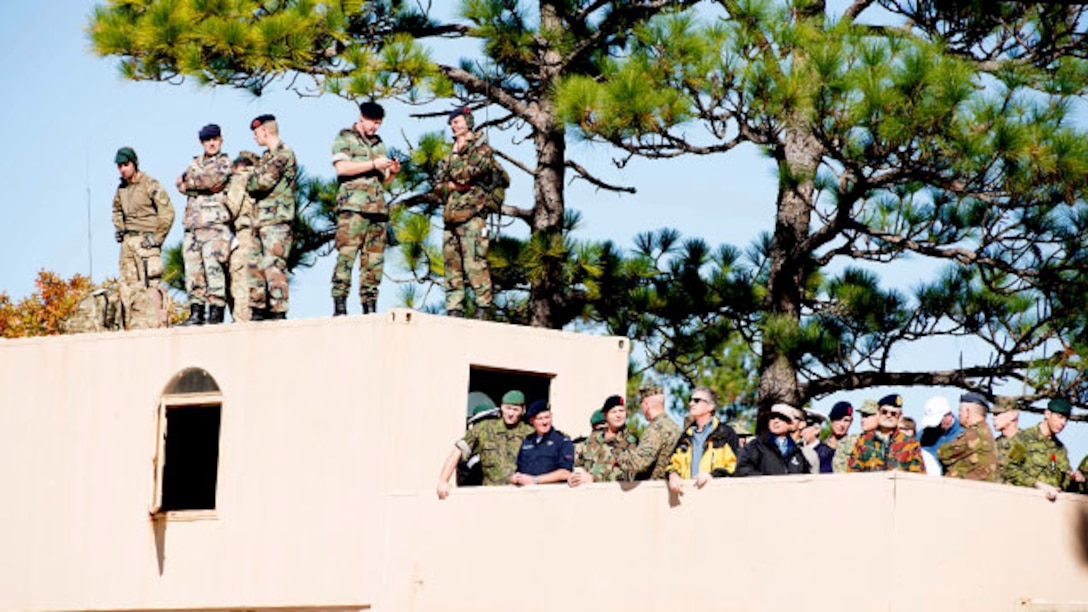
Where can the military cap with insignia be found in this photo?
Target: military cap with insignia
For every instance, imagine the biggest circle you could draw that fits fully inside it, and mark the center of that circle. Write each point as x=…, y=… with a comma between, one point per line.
x=260, y=120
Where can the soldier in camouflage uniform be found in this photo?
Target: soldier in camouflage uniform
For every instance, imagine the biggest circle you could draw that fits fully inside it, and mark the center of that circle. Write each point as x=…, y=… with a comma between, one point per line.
x=241, y=211
x=845, y=445
x=596, y=460
x=206, y=245
x=363, y=168
x=650, y=459
x=1007, y=423
x=886, y=448
x=497, y=441
x=463, y=183
x=142, y=216
x=972, y=454
x=272, y=186
x=1038, y=458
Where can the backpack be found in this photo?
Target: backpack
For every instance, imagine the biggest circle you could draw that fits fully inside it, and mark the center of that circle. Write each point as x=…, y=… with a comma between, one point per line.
x=496, y=187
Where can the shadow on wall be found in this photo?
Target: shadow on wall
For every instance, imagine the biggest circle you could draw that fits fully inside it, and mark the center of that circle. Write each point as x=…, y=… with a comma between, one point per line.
x=1082, y=534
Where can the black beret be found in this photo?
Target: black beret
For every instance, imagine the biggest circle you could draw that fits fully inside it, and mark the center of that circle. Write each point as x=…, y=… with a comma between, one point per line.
x=209, y=131
x=894, y=400
x=972, y=397
x=460, y=111
x=611, y=402
x=536, y=408
x=372, y=110
x=840, y=410
x=261, y=120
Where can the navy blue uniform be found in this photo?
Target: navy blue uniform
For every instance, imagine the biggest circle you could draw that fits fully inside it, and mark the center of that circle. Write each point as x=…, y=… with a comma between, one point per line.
x=551, y=452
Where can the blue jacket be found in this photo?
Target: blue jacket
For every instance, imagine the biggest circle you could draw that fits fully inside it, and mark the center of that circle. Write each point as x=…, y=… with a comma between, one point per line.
x=554, y=451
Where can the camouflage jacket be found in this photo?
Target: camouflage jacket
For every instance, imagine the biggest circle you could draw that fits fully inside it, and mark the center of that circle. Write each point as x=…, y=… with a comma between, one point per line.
x=842, y=453
x=272, y=186
x=599, y=456
x=497, y=445
x=363, y=193
x=239, y=201
x=1036, y=458
x=1080, y=487
x=650, y=459
x=143, y=206
x=205, y=182
x=971, y=455
x=872, y=453
x=470, y=169
x=1003, y=446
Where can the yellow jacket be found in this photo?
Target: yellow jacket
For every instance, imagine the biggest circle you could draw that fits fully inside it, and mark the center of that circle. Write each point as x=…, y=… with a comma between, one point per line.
x=718, y=458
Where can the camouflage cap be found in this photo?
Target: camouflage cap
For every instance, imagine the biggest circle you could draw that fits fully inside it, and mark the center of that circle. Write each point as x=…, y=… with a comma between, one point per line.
x=650, y=390
x=125, y=155
x=1059, y=406
x=247, y=158
x=1003, y=404
x=740, y=428
x=868, y=407
x=514, y=397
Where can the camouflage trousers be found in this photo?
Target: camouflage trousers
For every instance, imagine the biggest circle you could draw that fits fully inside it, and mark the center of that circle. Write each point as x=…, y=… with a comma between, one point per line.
x=238, y=285
x=362, y=235
x=464, y=251
x=140, y=269
x=268, y=268
x=206, y=251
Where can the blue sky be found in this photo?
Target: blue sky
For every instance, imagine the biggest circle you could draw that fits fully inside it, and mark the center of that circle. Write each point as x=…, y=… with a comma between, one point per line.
x=65, y=112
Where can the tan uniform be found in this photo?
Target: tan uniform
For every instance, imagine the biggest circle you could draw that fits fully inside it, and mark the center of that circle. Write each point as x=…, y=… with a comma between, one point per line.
x=142, y=216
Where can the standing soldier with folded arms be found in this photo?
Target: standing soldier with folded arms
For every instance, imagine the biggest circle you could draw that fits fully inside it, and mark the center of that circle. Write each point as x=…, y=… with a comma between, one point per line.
x=462, y=183
x=206, y=246
x=241, y=210
x=272, y=186
x=363, y=168
x=142, y=216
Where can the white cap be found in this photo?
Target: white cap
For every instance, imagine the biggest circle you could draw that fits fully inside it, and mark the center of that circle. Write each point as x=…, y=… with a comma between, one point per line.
x=784, y=411
x=936, y=408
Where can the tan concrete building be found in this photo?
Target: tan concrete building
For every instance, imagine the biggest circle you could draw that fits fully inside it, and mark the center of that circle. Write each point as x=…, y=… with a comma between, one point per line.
x=292, y=466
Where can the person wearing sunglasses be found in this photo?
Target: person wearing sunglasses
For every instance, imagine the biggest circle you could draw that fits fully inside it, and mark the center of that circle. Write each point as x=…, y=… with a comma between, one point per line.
x=887, y=448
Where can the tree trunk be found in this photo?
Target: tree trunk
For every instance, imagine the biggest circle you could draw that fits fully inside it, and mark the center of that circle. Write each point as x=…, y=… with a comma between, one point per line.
x=798, y=157
x=549, y=136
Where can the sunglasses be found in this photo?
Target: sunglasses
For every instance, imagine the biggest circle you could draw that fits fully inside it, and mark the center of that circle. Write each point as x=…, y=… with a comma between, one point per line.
x=886, y=412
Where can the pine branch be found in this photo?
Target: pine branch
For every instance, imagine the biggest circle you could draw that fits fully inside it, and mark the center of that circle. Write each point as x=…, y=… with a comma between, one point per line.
x=590, y=178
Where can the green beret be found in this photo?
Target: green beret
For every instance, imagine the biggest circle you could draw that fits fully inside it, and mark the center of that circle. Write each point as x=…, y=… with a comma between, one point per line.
x=596, y=418
x=514, y=397
x=125, y=155
x=481, y=408
x=1059, y=406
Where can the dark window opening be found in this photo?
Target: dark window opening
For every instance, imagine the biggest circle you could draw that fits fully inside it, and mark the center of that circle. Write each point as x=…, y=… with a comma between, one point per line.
x=486, y=386
x=191, y=461
x=490, y=384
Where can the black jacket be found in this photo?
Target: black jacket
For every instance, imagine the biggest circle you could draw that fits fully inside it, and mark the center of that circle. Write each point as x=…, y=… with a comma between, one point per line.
x=760, y=457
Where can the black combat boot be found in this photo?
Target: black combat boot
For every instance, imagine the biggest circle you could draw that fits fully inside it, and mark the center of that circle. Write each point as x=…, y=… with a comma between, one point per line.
x=339, y=306
x=258, y=314
x=275, y=316
x=215, y=314
x=196, y=316
x=480, y=314
x=370, y=306
x=459, y=314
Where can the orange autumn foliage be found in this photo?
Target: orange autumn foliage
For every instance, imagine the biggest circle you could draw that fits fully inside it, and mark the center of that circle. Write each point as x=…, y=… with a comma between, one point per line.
x=42, y=312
